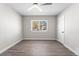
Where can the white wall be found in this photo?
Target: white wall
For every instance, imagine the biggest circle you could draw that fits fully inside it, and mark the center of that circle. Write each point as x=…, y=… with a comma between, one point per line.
x=71, y=17
x=49, y=35
x=10, y=27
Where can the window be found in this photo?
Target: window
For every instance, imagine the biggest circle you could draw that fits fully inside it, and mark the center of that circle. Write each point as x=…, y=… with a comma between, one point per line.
x=39, y=25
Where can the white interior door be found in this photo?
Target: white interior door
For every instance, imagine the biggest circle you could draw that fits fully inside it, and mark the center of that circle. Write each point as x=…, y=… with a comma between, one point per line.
x=61, y=28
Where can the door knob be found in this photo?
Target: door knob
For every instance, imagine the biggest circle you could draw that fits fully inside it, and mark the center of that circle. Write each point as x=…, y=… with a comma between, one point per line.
x=62, y=31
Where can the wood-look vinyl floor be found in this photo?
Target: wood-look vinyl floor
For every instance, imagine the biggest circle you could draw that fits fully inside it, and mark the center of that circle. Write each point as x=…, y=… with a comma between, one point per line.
x=38, y=48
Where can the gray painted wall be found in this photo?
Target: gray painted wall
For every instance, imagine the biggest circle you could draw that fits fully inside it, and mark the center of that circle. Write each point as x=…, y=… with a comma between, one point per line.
x=49, y=35
x=10, y=27
x=71, y=17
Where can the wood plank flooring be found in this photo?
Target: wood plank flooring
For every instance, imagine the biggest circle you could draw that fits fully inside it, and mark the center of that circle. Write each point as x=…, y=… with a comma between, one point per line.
x=38, y=48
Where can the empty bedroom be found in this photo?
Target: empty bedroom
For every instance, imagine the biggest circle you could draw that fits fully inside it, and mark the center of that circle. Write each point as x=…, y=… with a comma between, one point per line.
x=39, y=29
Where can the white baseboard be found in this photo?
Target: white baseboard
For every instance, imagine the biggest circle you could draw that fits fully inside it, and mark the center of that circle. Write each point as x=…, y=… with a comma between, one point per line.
x=9, y=46
x=68, y=47
x=39, y=38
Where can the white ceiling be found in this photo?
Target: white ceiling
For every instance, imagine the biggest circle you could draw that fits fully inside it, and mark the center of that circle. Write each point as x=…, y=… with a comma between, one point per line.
x=53, y=9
